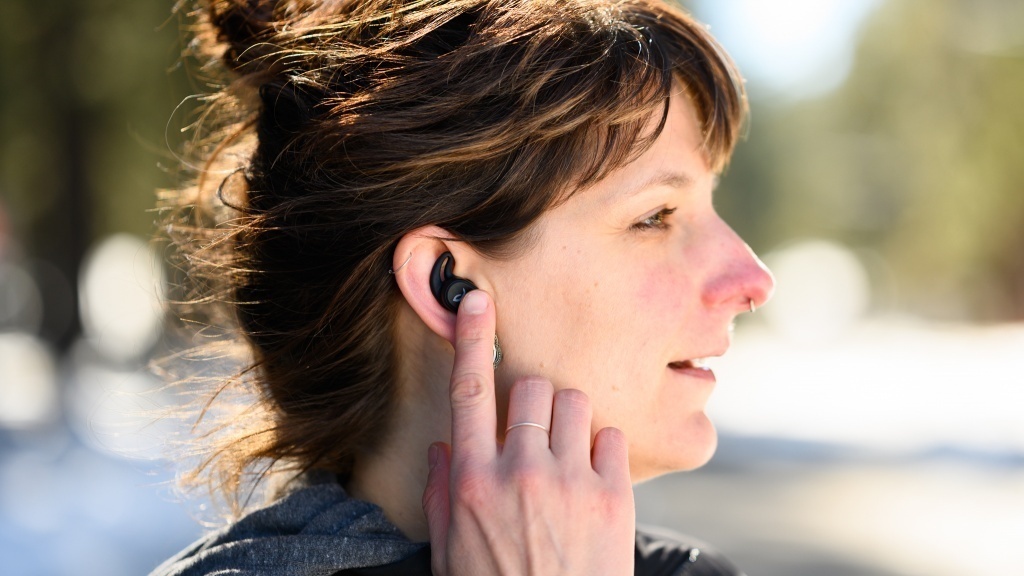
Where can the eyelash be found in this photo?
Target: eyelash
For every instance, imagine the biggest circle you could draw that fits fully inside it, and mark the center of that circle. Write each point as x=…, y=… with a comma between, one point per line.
x=655, y=221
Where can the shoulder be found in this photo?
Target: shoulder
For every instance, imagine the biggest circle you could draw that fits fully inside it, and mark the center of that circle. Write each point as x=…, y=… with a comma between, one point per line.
x=658, y=552
x=314, y=530
x=661, y=552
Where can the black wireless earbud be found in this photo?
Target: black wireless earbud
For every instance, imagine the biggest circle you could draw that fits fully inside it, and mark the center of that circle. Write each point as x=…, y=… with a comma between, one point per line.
x=448, y=288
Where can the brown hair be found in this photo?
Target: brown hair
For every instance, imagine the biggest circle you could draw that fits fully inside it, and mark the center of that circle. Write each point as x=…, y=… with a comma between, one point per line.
x=347, y=124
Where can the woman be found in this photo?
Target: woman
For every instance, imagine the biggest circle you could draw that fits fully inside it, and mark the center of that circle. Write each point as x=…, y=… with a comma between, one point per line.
x=483, y=222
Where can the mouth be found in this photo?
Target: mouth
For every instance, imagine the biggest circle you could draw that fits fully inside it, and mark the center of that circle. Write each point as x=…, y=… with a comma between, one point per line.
x=696, y=363
x=695, y=367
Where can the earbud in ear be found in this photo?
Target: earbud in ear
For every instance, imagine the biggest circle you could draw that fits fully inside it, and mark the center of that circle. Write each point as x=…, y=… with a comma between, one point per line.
x=448, y=288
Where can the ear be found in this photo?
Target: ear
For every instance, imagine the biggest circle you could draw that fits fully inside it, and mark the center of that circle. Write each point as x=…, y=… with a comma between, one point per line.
x=413, y=262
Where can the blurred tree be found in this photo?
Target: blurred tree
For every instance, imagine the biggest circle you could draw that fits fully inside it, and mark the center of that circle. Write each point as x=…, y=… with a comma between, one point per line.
x=85, y=94
x=917, y=156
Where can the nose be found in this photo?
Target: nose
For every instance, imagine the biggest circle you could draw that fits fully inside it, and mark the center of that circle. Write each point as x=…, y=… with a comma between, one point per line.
x=741, y=282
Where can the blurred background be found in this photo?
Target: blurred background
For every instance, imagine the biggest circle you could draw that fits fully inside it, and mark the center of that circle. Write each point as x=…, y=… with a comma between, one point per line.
x=870, y=415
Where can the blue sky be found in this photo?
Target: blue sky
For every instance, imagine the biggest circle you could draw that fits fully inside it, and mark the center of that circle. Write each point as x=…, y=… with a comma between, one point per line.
x=789, y=48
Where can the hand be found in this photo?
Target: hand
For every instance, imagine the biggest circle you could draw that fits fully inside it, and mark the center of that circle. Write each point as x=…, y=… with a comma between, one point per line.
x=535, y=505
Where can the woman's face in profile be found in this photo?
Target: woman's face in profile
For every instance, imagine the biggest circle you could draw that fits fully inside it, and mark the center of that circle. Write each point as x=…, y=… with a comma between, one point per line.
x=629, y=285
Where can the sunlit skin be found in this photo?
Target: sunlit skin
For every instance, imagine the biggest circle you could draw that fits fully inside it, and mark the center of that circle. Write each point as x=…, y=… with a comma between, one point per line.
x=627, y=282
x=627, y=277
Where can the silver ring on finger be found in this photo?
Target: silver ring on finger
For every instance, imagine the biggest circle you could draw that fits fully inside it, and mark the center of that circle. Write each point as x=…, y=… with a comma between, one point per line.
x=533, y=424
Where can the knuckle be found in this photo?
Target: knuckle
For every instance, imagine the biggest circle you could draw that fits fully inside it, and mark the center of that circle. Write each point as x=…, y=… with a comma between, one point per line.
x=528, y=480
x=430, y=496
x=613, y=437
x=471, y=330
x=469, y=388
x=613, y=503
x=471, y=336
x=471, y=491
x=573, y=400
x=533, y=388
x=611, y=496
x=612, y=445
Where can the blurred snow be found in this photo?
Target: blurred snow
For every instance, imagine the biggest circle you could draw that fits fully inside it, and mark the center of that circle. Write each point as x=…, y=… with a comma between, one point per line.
x=68, y=510
x=814, y=365
x=845, y=515
x=28, y=382
x=889, y=385
x=121, y=289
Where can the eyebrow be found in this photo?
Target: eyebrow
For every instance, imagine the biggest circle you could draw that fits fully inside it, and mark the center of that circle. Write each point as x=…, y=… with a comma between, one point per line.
x=672, y=179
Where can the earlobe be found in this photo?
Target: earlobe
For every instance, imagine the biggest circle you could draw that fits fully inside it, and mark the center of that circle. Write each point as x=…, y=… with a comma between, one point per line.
x=415, y=264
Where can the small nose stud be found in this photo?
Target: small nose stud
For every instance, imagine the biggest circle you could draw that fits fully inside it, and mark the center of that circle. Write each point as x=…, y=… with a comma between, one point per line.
x=752, y=307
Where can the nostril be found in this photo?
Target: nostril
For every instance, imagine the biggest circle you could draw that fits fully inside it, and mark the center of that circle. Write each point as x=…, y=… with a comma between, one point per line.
x=739, y=278
x=744, y=286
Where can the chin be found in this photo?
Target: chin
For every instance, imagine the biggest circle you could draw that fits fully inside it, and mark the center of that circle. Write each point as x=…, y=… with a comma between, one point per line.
x=687, y=451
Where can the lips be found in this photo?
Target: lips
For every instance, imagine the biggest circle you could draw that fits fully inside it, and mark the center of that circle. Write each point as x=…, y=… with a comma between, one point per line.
x=695, y=367
x=700, y=363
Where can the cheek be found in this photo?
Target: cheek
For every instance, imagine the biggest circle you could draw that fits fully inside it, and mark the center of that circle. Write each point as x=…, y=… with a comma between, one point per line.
x=595, y=325
x=566, y=322
x=663, y=297
x=639, y=334
x=623, y=319
x=535, y=317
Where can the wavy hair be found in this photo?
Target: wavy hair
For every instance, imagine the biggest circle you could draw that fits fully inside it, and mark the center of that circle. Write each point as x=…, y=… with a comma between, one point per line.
x=338, y=126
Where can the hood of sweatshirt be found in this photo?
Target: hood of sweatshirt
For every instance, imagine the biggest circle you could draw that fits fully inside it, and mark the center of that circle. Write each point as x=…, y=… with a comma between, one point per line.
x=314, y=530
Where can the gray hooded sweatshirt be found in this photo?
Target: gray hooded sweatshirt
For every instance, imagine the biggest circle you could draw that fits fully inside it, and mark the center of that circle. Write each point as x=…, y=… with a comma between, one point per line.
x=314, y=530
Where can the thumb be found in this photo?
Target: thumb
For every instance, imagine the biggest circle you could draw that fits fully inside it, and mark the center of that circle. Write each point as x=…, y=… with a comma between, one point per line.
x=435, y=504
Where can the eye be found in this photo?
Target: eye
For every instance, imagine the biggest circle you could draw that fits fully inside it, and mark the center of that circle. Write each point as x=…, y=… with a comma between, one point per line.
x=656, y=221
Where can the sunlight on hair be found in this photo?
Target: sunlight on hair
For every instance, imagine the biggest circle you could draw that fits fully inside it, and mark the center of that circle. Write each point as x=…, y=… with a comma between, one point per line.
x=117, y=411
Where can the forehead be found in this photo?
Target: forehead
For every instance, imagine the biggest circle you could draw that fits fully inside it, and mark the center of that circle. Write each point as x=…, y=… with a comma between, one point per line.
x=677, y=158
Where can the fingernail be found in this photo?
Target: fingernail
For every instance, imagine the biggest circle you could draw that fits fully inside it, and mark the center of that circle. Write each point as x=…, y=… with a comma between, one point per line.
x=473, y=303
x=432, y=456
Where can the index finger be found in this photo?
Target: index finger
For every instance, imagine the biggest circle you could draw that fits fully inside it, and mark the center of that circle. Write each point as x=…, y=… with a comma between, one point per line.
x=474, y=415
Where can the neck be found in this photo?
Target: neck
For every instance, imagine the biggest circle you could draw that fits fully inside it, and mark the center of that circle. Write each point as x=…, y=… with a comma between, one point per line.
x=394, y=474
